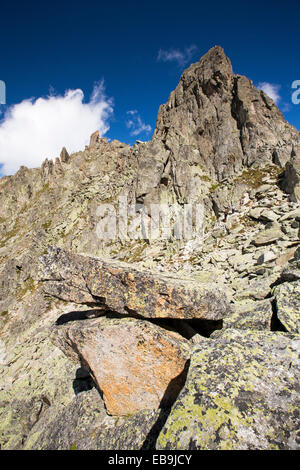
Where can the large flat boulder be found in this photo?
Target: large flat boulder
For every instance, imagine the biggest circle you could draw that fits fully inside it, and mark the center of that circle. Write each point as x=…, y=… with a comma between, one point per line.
x=136, y=364
x=242, y=392
x=127, y=290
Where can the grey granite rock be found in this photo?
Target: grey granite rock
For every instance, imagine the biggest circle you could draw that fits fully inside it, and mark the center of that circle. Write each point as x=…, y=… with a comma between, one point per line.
x=242, y=392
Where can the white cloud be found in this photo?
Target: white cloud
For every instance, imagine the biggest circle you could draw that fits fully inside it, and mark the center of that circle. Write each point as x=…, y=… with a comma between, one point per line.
x=38, y=128
x=176, y=55
x=136, y=125
x=271, y=89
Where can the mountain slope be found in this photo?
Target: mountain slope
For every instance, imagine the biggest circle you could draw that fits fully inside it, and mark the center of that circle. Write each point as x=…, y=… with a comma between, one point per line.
x=219, y=143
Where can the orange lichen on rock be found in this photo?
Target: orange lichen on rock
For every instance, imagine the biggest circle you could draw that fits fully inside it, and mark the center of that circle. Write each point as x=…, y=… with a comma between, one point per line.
x=137, y=365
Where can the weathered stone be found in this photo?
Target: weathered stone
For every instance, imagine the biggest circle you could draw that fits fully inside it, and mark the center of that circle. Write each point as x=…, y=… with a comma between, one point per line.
x=254, y=289
x=84, y=425
x=241, y=393
x=291, y=270
x=268, y=216
x=287, y=298
x=251, y=315
x=255, y=212
x=34, y=374
x=261, y=190
x=286, y=257
x=136, y=364
x=296, y=256
x=268, y=236
x=128, y=290
x=241, y=262
x=290, y=273
x=295, y=214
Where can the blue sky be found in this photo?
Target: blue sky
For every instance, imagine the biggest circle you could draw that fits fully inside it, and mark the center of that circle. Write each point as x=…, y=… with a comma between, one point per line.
x=59, y=46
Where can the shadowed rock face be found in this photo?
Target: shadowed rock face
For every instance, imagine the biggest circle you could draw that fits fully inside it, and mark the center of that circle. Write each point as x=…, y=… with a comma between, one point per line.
x=137, y=365
x=291, y=178
x=126, y=290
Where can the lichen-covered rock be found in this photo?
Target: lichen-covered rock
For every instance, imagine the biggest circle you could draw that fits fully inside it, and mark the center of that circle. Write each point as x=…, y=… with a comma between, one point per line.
x=84, y=425
x=35, y=374
x=137, y=431
x=242, y=392
x=136, y=364
x=287, y=298
x=66, y=427
x=251, y=315
x=257, y=288
x=128, y=290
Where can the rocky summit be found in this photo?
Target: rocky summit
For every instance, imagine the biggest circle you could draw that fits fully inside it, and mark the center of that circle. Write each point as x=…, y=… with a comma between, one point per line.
x=150, y=294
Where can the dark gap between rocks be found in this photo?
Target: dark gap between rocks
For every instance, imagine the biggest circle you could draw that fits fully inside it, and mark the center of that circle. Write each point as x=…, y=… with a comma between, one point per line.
x=276, y=324
x=276, y=283
x=83, y=381
x=176, y=384
x=164, y=180
x=80, y=315
x=206, y=327
x=185, y=327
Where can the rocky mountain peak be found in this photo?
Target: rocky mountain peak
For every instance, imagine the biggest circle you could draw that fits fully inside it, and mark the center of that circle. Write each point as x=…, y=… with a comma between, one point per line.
x=223, y=119
x=214, y=67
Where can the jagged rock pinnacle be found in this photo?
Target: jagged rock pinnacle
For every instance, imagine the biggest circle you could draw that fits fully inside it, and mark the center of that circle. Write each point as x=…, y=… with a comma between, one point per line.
x=64, y=156
x=222, y=119
x=95, y=139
